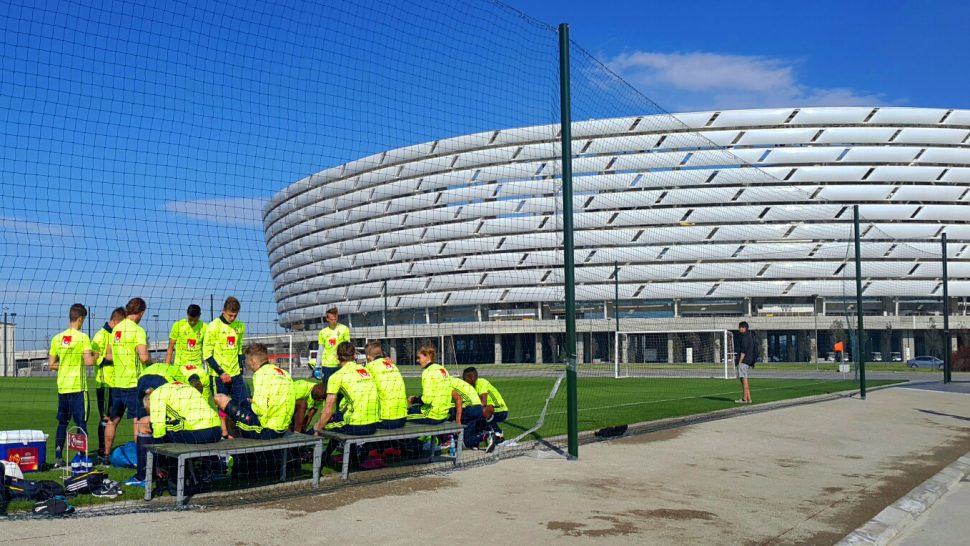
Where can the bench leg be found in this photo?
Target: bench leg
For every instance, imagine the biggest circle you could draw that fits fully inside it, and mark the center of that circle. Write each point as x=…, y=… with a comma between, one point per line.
x=459, y=447
x=149, y=474
x=317, y=462
x=180, y=497
x=348, y=449
x=286, y=455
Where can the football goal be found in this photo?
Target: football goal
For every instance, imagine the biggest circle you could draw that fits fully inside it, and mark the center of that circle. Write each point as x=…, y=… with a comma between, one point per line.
x=674, y=353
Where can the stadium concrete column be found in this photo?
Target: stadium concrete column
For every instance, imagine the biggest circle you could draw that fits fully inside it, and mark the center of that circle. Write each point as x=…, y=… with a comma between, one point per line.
x=538, y=349
x=580, y=346
x=909, y=344
x=498, y=348
x=764, y=346
x=518, y=348
x=670, y=348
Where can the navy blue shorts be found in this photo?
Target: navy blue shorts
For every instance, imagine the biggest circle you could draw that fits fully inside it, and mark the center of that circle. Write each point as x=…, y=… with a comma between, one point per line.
x=237, y=389
x=123, y=400
x=70, y=406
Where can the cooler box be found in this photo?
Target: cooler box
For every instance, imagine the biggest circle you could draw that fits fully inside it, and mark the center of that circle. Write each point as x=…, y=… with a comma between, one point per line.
x=25, y=448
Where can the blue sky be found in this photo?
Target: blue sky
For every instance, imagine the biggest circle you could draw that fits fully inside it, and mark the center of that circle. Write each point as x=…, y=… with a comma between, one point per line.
x=779, y=53
x=141, y=140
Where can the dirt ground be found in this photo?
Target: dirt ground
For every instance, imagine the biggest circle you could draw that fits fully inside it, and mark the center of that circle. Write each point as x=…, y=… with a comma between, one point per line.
x=808, y=474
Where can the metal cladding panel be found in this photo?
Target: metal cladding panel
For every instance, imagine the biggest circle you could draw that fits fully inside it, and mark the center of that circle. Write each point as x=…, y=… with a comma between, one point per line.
x=844, y=173
x=714, y=215
x=800, y=270
x=720, y=138
x=534, y=152
x=752, y=232
x=507, y=226
x=925, y=135
x=692, y=120
x=601, y=127
x=856, y=135
x=479, y=296
x=821, y=231
x=671, y=290
x=477, y=158
x=420, y=301
x=960, y=175
x=483, y=210
x=807, y=154
x=467, y=193
x=908, y=116
x=674, y=179
x=950, y=156
x=463, y=143
x=487, y=262
x=902, y=231
x=926, y=193
x=831, y=116
x=735, y=270
x=623, y=144
x=818, y=287
x=523, y=277
x=898, y=286
x=686, y=253
x=854, y=193
x=603, y=182
x=455, y=281
x=802, y=212
x=885, y=154
x=954, y=213
x=884, y=212
x=405, y=204
x=595, y=220
x=723, y=158
x=748, y=118
x=904, y=174
x=958, y=232
x=959, y=117
x=632, y=162
x=526, y=188
x=750, y=288
x=777, y=194
x=699, y=196
x=522, y=135
x=759, y=137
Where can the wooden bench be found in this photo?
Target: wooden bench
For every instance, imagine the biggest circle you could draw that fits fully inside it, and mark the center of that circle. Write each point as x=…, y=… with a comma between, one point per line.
x=225, y=448
x=409, y=431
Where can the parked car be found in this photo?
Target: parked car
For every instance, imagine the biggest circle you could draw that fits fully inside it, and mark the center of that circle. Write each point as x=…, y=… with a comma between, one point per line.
x=895, y=357
x=877, y=357
x=925, y=362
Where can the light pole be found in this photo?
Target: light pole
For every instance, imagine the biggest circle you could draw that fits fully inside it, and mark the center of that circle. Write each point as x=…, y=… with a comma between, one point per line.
x=155, y=329
x=6, y=333
x=13, y=341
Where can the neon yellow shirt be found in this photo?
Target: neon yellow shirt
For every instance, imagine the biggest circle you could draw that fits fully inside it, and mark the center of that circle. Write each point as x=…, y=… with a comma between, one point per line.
x=188, y=342
x=240, y=328
x=159, y=369
x=223, y=343
x=177, y=407
x=303, y=390
x=103, y=375
x=125, y=339
x=186, y=372
x=483, y=386
x=69, y=347
x=328, y=339
x=435, y=392
x=273, y=398
x=467, y=392
x=357, y=385
x=390, y=388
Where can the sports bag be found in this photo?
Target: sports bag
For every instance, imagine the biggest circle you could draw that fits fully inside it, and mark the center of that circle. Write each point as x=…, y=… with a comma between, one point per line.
x=84, y=483
x=125, y=456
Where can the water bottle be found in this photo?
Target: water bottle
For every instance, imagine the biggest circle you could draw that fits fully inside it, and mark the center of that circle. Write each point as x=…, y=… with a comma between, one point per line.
x=76, y=465
x=451, y=440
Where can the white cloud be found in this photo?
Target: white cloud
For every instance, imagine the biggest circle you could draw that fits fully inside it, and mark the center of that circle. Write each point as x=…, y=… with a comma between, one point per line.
x=22, y=227
x=702, y=81
x=238, y=211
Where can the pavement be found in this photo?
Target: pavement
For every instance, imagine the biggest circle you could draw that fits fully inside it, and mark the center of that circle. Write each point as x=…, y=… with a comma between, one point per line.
x=805, y=474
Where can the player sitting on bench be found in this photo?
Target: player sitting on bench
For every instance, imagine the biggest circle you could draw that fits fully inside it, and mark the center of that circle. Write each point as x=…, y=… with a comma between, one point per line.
x=268, y=414
x=496, y=411
x=310, y=396
x=360, y=407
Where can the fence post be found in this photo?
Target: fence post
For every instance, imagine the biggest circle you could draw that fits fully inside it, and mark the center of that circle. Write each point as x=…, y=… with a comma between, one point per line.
x=947, y=347
x=860, y=312
x=572, y=415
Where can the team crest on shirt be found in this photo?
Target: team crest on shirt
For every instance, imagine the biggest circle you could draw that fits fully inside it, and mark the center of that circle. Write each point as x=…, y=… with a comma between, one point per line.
x=66, y=341
x=231, y=342
x=388, y=365
x=190, y=344
x=363, y=373
x=118, y=336
x=332, y=341
x=444, y=372
x=279, y=371
x=190, y=367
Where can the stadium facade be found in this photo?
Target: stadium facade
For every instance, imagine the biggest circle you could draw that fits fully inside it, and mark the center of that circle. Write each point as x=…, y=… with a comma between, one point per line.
x=707, y=216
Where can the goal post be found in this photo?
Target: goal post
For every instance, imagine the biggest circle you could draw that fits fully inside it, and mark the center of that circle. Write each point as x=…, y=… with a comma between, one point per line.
x=673, y=353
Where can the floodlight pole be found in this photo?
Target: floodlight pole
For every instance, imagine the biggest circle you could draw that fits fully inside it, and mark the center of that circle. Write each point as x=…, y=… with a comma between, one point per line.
x=565, y=124
x=385, y=312
x=860, y=339
x=947, y=360
x=616, y=295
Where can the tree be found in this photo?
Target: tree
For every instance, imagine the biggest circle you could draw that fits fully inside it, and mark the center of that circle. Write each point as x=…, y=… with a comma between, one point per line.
x=933, y=340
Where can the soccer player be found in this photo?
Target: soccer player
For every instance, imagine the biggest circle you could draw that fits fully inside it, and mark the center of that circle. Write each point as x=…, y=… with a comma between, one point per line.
x=270, y=412
x=491, y=398
x=467, y=411
x=221, y=351
x=310, y=397
x=70, y=352
x=104, y=373
x=390, y=387
x=129, y=352
x=361, y=402
x=177, y=414
x=332, y=335
x=186, y=338
x=151, y=378
x=435, y=402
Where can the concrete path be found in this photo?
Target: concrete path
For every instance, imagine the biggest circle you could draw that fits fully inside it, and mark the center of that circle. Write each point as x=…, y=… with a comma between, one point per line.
x=802, y=475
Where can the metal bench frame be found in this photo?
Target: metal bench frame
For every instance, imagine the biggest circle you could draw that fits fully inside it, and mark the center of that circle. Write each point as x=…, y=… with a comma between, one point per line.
x=410, y=430
x=184, y=452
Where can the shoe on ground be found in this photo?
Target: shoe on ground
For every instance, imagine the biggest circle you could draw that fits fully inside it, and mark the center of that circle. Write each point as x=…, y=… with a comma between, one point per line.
x=490, y=443
x=59, y=463
x=135, y=482
x=108, y=490
x=447, y=444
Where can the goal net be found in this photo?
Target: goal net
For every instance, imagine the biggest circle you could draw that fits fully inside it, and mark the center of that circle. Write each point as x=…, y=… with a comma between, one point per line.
x=672, y=353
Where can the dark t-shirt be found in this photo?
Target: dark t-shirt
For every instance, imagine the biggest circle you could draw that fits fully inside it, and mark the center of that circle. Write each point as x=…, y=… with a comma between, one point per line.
x=747, y=346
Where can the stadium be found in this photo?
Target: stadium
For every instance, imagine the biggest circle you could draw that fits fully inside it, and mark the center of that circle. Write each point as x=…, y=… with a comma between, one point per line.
x=683, y=222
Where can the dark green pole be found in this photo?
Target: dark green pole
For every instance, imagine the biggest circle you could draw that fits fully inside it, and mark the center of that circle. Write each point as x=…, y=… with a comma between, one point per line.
x=385, y=311
x=616, y=295
x=860, y=312
x=947, y=372
x=565, y=120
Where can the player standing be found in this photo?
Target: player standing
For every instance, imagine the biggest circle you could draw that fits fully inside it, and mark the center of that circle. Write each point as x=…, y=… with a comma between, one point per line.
x=186, y=338
x=70, y=352
x=104, y=373
x=221, y=351
x=332, y=335
x=129, y=351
